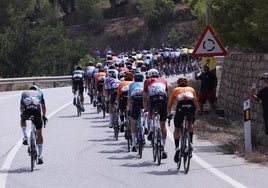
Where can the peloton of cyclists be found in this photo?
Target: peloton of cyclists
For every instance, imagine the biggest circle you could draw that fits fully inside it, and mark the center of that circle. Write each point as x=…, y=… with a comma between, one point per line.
x=186, y=100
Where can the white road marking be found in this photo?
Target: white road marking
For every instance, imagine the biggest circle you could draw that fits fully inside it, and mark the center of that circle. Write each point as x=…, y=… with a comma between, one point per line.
x=210, y=168
x=11, y=155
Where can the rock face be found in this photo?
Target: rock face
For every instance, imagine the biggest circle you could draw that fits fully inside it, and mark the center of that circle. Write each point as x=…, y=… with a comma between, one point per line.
x=125, y=33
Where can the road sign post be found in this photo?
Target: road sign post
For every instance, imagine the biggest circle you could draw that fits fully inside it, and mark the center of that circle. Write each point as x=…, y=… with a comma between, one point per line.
x=247, y=127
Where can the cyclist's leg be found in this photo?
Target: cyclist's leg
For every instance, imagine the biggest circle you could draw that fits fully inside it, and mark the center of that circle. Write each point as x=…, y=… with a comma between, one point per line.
x=81, y=91
x=39, y=140
x=74, y=90
x=24, y=128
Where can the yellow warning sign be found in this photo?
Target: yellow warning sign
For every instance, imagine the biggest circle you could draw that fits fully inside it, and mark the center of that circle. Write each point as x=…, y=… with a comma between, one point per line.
x=209, y=61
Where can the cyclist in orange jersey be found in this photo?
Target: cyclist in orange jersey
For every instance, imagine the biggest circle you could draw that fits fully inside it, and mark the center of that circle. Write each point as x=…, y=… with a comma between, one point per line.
x=122, y=93
x=186, y=99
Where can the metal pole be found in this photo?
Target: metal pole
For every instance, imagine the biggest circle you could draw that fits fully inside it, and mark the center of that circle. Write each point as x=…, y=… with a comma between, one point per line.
x=207, y=20
x=247, y=126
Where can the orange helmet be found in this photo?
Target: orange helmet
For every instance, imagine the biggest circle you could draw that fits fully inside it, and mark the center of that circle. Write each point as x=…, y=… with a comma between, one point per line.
x=182, y=82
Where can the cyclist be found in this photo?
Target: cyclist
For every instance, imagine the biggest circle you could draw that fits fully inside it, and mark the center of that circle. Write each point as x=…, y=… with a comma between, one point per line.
x=111, y=85
x=122, y=93
x=155, y=96
x=135, y=94
x=31, y=104
x=78, y=78
x=89, y=75
x=186, y=99
x=99, y=83
x=95, y=71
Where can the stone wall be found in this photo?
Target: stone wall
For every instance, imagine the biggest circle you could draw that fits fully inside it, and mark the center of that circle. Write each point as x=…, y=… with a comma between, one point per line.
x=239, y=71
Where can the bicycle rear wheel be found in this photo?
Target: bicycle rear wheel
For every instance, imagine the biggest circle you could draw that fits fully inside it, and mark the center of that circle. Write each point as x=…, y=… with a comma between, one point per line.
x=140, y=141
x=116, y=127
x=78, y=106
x=103, y=108
x=186, y=153
x=33, y=153
x=154, y=145
x=159, y=147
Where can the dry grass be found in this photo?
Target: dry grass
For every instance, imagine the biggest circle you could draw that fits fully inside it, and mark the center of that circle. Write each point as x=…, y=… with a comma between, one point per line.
x=230, y=137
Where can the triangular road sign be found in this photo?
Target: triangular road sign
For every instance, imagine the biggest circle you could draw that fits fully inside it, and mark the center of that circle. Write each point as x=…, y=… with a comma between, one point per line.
x=208, y=44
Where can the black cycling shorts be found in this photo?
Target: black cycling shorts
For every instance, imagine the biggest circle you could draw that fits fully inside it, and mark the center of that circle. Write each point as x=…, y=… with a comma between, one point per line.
x=184, y=107
x=78, y=85
x=123, y=101
x=136, y=106
x=158, y=102
x=36, y=113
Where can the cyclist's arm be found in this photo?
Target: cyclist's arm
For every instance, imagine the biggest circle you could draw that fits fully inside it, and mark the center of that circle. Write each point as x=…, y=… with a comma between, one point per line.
x=44, y=109
x=170, y=102
x=253, y=96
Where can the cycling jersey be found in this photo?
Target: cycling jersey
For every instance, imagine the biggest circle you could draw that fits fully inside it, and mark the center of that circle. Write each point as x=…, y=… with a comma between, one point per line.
x=155, y=86
x=123, y=87
x=135, y=93
x=89, y=71
x=78, y=75
x=32, y=100
x=100, y=77
x=183, y=94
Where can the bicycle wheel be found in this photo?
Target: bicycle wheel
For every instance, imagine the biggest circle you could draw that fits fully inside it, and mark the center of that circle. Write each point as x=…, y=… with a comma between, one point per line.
x=186, y=153
x=128, y=136
x=78, y=106
x=116, y=127
x=140, y=142
x=154, y=145
x=32, y=152
x=103, y=107
x=159, y=147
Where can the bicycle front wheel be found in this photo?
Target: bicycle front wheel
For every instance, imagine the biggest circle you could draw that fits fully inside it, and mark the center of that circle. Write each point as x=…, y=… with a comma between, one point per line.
x=187, y=152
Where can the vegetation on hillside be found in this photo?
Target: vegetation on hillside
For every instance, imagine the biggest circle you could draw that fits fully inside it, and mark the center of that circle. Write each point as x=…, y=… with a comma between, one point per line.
x=33, y=40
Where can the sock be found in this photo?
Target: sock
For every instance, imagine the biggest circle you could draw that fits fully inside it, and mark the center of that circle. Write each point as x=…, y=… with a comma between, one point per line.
x=163, y=142
x=191, y=137
x=40, y=148
x=133, y=135
x=177, y=143
x=24, y=131
x=150, y=123
x=111, y=118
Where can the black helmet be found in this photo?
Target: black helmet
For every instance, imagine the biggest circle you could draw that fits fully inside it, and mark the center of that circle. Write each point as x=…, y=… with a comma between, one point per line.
x=33, y=87
x=78, y=67
x=138, y=77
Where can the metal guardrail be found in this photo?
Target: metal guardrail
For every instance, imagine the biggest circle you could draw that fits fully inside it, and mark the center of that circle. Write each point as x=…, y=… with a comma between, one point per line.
x=34, y=79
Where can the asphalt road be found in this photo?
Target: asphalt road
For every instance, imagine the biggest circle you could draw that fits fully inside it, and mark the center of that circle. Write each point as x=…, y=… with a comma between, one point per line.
x=81, y=152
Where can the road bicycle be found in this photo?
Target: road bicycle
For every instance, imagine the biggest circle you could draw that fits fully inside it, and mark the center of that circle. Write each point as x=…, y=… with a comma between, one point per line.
x=185, y=150
x=157, y=136
x=32, y=148
x=127, y=131
x=140, y=134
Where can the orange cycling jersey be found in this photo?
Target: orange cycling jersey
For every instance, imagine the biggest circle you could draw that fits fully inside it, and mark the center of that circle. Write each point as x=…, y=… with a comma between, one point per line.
x=99, y=75
x=183, y=94
x=123, y=86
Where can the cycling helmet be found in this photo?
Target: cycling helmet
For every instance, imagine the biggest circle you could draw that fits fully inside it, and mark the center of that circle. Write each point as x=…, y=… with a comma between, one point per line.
x=153, y=73
x=90, y=63
x=264, y=76
x=99, y=65
x=138, y=77
x=121, y=64
x=111, y=67
x=128, y=76
x=112, y=74
x=78, y=67
x=33, y=87
x=182, y=82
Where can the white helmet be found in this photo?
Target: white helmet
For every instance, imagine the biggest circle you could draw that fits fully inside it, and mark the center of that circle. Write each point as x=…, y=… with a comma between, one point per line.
x=99, y=65
x=153, y=73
